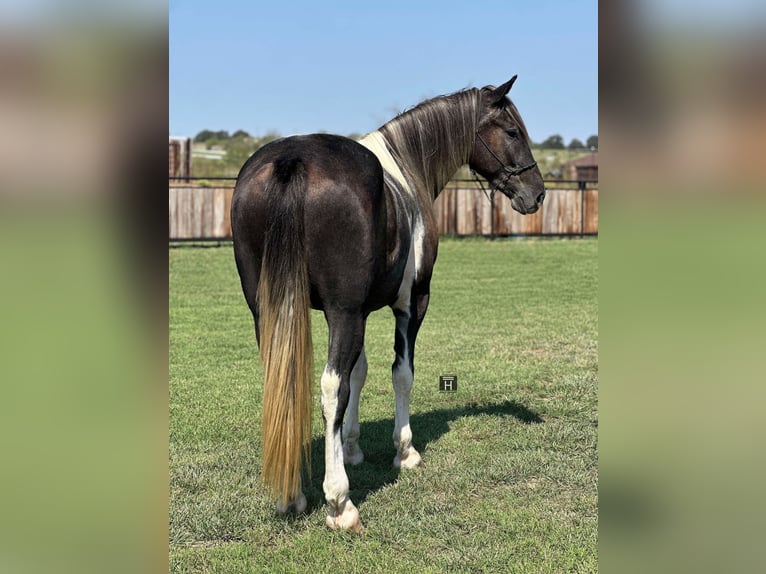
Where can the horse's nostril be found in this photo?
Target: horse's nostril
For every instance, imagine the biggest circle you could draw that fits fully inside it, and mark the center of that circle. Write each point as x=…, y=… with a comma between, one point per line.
x=541, y=197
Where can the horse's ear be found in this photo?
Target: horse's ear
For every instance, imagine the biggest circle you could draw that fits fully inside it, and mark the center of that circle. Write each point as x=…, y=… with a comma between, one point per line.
x=499, y=93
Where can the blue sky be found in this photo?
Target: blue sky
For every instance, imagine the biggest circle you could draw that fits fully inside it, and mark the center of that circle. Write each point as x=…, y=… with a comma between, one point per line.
x=349, y=66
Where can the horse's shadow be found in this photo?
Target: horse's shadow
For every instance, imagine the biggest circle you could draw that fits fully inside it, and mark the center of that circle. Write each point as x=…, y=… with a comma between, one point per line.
x=377, y=470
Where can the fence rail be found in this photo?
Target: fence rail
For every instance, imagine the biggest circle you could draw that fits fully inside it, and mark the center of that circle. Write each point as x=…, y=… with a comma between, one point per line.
x=570, y=208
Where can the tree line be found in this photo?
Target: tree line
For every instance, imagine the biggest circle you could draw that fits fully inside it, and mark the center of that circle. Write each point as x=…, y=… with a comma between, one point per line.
x=223, y=138
x=557, y=142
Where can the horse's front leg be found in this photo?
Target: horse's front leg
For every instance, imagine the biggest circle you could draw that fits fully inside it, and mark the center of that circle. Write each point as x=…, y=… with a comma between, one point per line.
x=408, y=320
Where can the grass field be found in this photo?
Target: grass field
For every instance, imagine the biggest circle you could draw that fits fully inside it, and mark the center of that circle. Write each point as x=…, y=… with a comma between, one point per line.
x=510, y=476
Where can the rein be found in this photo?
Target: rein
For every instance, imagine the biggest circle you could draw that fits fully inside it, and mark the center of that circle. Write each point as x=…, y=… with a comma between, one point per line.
x=507, y=172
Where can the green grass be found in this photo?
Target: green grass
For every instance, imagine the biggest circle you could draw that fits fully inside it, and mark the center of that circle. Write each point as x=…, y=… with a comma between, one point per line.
x=510, y=476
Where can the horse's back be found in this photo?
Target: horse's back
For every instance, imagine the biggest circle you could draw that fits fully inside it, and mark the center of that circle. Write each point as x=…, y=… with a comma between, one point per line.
x=338, y=170
x=345, y=214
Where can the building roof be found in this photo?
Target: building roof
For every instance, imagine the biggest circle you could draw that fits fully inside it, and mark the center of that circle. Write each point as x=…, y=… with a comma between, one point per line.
x=590, y=160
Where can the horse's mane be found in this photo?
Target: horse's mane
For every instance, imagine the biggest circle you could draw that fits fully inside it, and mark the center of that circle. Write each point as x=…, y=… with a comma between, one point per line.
x=435, y=137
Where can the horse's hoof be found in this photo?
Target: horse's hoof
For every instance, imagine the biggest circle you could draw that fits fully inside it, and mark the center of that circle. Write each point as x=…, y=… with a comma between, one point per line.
x=411, y=459
x=297, y=506
x=353, y=456
x=348, y=519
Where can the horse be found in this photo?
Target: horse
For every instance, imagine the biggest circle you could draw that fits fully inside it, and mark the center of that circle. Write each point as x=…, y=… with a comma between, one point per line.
x=325, y=222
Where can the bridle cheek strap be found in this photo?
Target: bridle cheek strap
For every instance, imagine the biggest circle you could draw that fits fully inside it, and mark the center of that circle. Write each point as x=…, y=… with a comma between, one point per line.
x=507, y=171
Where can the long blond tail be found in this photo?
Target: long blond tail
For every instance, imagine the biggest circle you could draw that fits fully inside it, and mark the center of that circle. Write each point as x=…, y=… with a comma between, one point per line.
x=285, y=333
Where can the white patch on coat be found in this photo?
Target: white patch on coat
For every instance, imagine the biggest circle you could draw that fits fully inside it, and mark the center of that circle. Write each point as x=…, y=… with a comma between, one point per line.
x=408, y=279
x=413, y=266
x=418, y=241
x=376, y=143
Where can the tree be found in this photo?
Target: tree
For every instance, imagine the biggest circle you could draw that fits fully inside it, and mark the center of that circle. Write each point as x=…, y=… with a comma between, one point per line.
x=592, y=142
x=553, y=142
x=575, y=144
x=203, y=136
x=206, y=135
x=240, y=134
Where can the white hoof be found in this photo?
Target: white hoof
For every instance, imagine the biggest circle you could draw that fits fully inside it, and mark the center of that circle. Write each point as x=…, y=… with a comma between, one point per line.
x=346, y=518
x=352, y=454
x=410, y=459
x=298, y=506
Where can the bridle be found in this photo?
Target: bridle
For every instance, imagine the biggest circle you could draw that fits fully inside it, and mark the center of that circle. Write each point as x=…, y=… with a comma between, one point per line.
x=508, y=172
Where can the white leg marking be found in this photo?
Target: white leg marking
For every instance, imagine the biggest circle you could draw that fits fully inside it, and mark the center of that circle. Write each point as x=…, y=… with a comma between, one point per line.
x=352, y=454
x=342, y=512
x=406, y=455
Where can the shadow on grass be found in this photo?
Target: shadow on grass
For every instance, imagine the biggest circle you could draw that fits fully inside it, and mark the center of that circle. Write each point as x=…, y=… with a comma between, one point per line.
x=377, y=470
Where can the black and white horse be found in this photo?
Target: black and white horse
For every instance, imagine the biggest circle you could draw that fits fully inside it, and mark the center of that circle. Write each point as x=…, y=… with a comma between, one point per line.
x=324, y=222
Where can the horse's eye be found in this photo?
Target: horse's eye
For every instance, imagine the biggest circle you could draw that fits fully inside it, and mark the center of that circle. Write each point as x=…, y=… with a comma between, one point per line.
x=513, y=132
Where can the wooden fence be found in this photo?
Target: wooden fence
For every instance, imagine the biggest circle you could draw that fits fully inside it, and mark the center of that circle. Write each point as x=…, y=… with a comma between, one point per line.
x=202, y=213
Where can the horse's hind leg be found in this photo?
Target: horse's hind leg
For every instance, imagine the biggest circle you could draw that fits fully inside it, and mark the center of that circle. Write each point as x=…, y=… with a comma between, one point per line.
x=346, y=342
x=352, y=454
x=249, y=275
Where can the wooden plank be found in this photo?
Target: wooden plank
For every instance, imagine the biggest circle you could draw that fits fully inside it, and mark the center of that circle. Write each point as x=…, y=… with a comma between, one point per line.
x=210, y=222
x=460, y=213
x=551, y=208
x=517, y=222
x=485, y=226
x=454, y=212
x=227, y=212
x=561, y=212
x=470, y=201
x=171, y=212
x=447, y=213
x=206, y=207
x=204, y=212
x=197, y=195
x=502, y=216
x=570, y=212
x=192, y=213
x=184, y=213
x=573, y=222
x=219, y=207
x=567, y=215
x=439, y=211
x=591, y=211
x=476, y=209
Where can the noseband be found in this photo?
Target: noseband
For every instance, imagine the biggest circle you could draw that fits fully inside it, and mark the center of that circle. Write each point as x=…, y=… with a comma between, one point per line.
x=508, y=171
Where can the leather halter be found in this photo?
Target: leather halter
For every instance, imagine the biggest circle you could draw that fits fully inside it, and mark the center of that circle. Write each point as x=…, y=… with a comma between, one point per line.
x=507, y=171
x=510, y=171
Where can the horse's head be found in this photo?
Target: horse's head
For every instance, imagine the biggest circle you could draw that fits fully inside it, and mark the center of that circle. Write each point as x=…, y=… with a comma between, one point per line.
x=501, y=152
